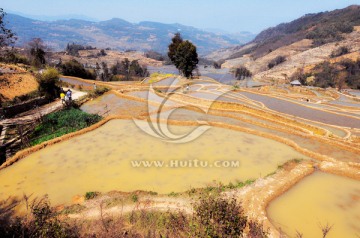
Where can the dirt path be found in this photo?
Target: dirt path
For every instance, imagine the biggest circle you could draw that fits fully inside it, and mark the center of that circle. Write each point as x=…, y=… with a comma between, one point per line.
x=150, y=203
x=34, y=114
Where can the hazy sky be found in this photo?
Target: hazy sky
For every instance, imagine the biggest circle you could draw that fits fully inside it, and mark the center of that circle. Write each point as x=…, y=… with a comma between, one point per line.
x=229, y=15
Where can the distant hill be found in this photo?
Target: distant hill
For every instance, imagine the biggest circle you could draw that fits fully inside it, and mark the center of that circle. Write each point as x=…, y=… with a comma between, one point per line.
x=243, y=36
x=115, y=33
x=313, y=41
x=54, y=18
x=321, y=28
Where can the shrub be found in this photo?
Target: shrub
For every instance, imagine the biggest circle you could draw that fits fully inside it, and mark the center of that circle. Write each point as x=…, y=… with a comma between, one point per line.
x=352, y=69
x=338, y=74
x=41, y=221
x=217, y=65
x=91, y=195
x=148, y=223
x=74, y=68
x=173, y=194
x=154, y=55
x=11, y=56
x=218, y=217
x=129, y=69
x=299, y=75
x=256, y=230
x=73, y=49
x=325, y=75
x=278, y=60
x=324, y=34
x=102, y=53
x=134, y=198
x=242, y=73
x=340, y=51
x=116, y=78
x=49, y=83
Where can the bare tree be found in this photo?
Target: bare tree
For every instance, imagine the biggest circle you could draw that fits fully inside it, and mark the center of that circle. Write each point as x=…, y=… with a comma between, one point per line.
x=7, y=37
x=37, y=50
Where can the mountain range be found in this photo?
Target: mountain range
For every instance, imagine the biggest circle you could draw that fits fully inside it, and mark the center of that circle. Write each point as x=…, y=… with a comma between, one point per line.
x=117, y=34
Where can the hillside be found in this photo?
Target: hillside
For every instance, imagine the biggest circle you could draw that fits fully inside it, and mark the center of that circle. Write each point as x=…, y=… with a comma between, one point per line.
x=301, y=55
x=115, y=33
x=303, y=43
x=15, y=82
x=321, y=28
x=90, y=57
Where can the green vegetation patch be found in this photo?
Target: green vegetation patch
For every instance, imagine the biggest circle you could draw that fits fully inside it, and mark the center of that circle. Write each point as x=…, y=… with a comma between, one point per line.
x=76, y=69
x=91, y=195
x=60, y=123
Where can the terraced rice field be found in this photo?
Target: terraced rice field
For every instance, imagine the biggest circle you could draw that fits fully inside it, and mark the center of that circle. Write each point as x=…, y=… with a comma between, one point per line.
x=101, y=160
x=319, y=199
x=75, y=82
x=304, y=112
x=256, y=131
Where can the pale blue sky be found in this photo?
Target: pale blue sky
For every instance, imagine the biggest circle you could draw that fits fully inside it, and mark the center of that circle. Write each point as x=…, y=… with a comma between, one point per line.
x=229, y=15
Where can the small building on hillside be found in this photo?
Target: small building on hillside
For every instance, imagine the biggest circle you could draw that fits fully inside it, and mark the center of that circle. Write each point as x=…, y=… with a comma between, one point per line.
x=295, y=83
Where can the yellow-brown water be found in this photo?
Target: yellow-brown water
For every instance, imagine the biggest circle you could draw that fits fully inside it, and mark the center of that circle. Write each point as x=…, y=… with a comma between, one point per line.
x=101, y=161
x=319, y=199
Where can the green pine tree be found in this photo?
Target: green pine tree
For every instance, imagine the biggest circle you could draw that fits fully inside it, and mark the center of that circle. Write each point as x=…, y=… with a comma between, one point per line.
x=176, y=41
x=186, y=58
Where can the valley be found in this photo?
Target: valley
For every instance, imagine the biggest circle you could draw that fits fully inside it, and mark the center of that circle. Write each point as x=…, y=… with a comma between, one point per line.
x=154, y=146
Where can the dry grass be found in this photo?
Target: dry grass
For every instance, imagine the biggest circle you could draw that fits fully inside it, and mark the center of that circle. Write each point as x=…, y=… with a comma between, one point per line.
x=14, y=85
x=12, y=67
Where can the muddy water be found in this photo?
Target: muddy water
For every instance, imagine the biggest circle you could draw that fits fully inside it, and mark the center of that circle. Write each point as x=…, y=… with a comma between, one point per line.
x=167, y=82
x=101, y=161
x=319, y=198
x=307, y=143
x=109, y=105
